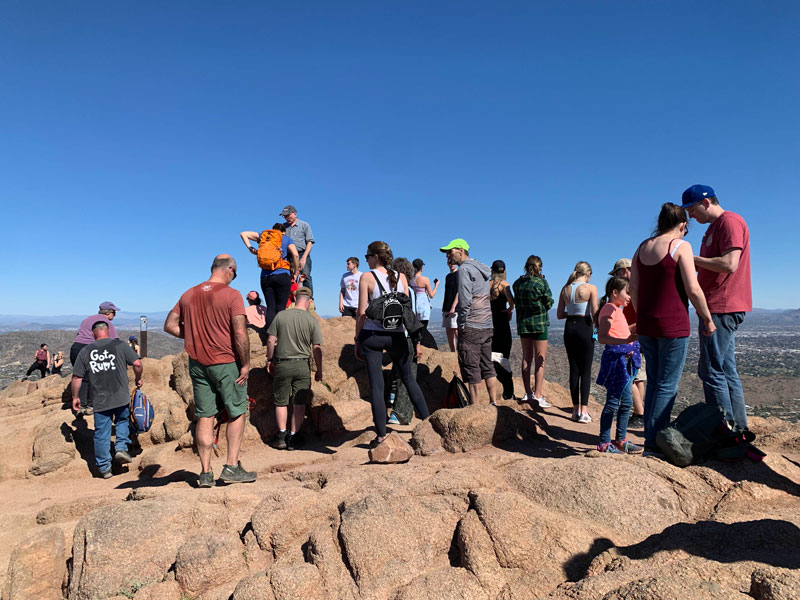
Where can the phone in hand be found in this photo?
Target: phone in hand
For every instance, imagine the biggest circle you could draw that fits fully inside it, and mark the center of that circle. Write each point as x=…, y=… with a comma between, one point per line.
x=435, y=281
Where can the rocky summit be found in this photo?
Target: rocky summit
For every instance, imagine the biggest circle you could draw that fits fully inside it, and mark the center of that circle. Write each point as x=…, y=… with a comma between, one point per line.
x=477, y=503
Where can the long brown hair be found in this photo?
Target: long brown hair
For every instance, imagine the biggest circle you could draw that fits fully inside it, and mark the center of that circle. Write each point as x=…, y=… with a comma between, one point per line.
x=383, y=253
x=533, y=266
x=670, y=217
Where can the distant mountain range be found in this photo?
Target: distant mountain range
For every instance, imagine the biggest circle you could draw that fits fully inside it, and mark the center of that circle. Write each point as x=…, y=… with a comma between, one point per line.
x=127, y=320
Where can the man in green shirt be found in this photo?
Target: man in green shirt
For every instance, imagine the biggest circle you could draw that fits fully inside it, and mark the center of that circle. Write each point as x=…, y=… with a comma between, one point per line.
x=292, y=336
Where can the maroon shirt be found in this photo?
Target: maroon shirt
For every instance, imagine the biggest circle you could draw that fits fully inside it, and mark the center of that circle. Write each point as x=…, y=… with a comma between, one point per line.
x=663, y=306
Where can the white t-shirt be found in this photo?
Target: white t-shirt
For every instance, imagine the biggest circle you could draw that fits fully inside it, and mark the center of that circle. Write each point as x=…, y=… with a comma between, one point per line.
x=349, y=287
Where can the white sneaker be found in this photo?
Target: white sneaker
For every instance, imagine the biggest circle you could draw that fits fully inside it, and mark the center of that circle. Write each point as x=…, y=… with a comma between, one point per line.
x=584, y=418
x=543, y=403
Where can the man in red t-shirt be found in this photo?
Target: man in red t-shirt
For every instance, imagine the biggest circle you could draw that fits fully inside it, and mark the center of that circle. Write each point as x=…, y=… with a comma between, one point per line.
x=723, y=272
x=210, y=318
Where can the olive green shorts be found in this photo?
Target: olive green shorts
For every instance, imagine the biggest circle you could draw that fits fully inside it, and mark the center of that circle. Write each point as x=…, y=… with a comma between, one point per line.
x=215, y=389
x=292, y=380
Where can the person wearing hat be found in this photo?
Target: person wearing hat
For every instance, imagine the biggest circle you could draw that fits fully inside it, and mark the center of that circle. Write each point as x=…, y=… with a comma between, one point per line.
x=102, y=365
x=423, y=292
x=622, y=269
x=723, y=272
x=300, y=233
x=474, y=320
x=133, y=343
x=107, y=312
x=293, y=336
x=502, y=303
x=256, y=315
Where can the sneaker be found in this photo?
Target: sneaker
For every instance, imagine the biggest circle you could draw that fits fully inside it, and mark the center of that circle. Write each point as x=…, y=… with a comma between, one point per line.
x=279, y=441
x=393, y=420
x=576, y=416
x=608, y=448
x=206, y=479
x=122, y=457
x=628, y=447
x=294, y=441
x=585, y=418
x=237, y=474
x=88, y=411
x=542, y=402
x=106, y=474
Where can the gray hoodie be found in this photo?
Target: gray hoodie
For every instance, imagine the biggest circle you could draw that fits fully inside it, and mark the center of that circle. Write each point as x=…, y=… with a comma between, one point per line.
x=474, y=309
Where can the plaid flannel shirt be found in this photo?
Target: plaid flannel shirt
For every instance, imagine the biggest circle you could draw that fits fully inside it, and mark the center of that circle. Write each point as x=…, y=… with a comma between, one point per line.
x=532, y=300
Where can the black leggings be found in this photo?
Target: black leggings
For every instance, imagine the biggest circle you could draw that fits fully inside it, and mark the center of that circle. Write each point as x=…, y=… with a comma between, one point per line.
x=372, y=344
x=83, y=393
x=276, y=289
x=580, y=351
x=38, y=365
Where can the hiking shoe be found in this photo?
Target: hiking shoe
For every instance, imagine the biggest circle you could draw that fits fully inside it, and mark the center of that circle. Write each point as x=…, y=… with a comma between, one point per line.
x=87, y=411
x=279, y=441
x=542, y=402
x=628, y=447
x=375, y=442
x=393, y=420
x=123, y=457
x=584, y=418
x=294, y=441
x=106, y=474
x=237, y=474
x=206, y=479
x=608, y=448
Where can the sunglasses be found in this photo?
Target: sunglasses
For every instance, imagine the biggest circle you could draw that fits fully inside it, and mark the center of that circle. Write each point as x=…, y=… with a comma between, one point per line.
x=234, y=272
x=366, y=256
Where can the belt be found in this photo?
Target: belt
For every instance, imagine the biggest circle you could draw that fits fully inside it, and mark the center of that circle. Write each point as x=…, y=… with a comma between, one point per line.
x=280, y=360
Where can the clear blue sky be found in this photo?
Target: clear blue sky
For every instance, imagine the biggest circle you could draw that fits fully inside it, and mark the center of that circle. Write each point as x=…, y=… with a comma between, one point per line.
x=140, y=138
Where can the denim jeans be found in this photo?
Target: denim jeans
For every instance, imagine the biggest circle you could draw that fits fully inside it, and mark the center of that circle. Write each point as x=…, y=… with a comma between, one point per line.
x=664, y=358
x=717, y=368
x=102, y=434
x=617, y=406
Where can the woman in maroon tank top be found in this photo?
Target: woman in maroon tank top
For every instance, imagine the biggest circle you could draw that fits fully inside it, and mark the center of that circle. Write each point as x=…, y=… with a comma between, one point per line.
x=663, y=280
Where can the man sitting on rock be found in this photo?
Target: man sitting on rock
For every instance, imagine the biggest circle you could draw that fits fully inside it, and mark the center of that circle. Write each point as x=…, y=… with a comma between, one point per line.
x=297, y=334
x=104, y=365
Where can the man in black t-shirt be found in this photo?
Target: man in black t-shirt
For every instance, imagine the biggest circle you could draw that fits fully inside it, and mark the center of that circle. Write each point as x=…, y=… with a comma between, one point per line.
x=104, y=364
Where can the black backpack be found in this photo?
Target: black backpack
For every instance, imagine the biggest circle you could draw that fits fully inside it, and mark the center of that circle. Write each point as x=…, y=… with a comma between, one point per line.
x=457, y=394
x=700, y=432
x=387, y=308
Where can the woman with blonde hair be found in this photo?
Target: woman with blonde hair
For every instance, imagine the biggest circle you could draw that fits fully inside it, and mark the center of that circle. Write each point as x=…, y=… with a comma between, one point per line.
x=577, y=302
x=533, y=300
x=372, y=338
x=502, y=303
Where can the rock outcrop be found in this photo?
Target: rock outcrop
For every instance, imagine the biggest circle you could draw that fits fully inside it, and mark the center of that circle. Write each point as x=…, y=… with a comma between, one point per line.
x=478, y=503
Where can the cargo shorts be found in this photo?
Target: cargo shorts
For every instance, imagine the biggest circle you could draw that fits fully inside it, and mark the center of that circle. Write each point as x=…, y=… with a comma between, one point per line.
x=292, y=382
x=475, y=354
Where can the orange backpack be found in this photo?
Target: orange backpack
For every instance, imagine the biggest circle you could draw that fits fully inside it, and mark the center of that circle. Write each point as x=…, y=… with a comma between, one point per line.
x=269, y=250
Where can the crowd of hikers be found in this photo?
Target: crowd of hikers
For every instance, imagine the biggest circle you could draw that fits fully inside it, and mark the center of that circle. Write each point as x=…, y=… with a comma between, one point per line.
x=641, y=317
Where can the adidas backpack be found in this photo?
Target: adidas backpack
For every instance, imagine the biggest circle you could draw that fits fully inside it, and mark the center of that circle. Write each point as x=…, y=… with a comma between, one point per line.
x=142, y=412
x=386, y=308
x=269, y=250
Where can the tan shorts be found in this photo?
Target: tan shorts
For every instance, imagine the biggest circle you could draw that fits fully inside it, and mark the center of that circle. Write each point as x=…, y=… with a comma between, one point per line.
x=641, y=375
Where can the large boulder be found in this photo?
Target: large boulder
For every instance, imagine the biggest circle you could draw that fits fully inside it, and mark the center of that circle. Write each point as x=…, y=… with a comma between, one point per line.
x=393, y=449
x=478, y=425
x=207, y=560
x=53, y=446
x=37, y=567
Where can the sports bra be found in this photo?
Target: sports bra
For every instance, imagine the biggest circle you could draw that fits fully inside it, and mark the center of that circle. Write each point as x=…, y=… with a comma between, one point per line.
x=576, y=309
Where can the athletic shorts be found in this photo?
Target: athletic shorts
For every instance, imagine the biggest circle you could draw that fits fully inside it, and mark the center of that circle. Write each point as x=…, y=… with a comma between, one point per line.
x=215, y=389
x=475, y=354
x=292, y=381
x=641, y=375
x=539, y=337
x=449, y=322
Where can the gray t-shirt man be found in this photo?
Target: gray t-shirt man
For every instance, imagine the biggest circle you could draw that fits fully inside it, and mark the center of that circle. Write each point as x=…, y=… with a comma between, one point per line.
x=104, y=364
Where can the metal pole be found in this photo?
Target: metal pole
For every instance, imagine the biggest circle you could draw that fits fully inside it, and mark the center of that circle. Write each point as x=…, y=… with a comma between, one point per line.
x=143, y=336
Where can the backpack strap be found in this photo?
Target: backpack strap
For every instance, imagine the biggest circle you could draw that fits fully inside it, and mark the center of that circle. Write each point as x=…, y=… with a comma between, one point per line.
x=380, y=285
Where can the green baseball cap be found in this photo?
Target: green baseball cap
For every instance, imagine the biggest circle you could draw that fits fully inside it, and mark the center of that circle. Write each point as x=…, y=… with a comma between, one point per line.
x=456, y=243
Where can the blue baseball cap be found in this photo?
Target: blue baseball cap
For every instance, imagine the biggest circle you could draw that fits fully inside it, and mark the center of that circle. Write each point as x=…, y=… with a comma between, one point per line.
x=695, y=194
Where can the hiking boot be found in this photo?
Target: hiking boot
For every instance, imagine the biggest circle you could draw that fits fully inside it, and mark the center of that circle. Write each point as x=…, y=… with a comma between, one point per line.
x=279, y=441
x=608, y=448
x=542, y=402
x=106, y=474
x=294, y=441
x=628, y=447
x=206, y=479
x=123, y=457
x=237, y=474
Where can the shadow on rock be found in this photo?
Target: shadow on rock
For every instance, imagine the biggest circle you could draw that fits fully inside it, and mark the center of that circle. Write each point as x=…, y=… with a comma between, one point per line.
x=147, y=479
